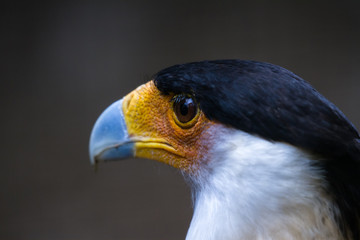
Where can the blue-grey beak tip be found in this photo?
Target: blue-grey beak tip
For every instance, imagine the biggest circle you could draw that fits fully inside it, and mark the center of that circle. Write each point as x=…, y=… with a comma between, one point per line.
x=109, y=139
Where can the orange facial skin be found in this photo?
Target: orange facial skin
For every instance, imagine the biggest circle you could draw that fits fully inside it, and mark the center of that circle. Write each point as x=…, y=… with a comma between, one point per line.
x=158, y=135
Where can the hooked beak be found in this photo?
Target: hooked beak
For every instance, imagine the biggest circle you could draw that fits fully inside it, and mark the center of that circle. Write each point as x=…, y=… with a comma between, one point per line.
x=109, y=138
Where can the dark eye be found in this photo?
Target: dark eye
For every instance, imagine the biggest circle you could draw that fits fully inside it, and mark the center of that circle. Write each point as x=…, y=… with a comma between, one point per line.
x=185, y=108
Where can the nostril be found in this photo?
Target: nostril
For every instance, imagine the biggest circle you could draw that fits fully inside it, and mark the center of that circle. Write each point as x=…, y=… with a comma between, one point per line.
x=127, y=101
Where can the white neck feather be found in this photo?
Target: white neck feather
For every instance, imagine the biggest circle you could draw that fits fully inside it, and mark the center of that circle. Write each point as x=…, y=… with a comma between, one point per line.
x=256, y=189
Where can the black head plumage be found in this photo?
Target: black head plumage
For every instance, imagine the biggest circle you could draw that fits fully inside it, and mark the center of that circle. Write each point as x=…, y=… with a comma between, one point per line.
x=262, y=99
x=275, y=104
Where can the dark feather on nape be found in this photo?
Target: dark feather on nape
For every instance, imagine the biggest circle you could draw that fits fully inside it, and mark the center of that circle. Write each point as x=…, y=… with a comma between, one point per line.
x=277, y=105
x=262, y=99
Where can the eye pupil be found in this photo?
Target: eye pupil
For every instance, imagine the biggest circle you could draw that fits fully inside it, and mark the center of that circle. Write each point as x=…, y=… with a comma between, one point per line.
x=185, y=109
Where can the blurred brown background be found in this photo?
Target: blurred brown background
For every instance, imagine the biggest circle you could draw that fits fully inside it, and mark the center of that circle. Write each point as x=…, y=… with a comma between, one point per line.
x=63, y=62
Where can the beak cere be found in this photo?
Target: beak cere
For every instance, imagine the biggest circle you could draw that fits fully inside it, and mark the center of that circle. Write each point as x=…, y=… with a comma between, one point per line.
x=109, y=138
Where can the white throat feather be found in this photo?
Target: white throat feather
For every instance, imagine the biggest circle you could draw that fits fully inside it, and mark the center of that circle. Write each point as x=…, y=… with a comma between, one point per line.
x=252, y=188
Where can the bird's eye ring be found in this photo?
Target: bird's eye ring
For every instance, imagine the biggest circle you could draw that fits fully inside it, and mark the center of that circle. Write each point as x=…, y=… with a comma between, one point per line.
x=185, y=110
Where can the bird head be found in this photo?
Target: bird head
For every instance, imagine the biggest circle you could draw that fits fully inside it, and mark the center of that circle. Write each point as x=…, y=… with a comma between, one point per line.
x=258, y=123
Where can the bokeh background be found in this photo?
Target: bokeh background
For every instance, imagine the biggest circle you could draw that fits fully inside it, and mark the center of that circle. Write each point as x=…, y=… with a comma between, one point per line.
x=64, y=62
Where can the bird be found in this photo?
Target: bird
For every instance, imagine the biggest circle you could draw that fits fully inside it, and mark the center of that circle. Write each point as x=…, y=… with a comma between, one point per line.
x=266, y=156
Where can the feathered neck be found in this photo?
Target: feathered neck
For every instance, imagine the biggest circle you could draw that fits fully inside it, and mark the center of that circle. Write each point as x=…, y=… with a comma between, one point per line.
x=251, y=188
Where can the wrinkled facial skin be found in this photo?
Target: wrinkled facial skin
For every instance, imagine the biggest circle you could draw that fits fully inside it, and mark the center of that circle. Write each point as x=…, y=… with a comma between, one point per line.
x=158, y=135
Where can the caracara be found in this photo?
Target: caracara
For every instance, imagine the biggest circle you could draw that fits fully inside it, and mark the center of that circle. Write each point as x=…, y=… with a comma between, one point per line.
x=266, y=156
